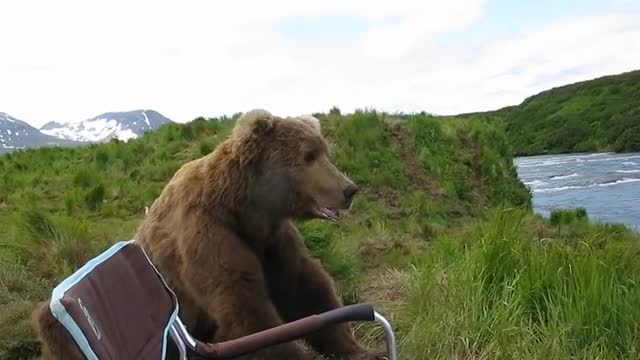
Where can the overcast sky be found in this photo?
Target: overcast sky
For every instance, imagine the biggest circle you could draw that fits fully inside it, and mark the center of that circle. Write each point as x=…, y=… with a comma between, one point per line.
x=71, y=60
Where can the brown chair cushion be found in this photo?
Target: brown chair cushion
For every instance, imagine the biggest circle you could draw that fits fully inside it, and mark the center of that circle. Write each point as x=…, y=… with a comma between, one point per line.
x=117, y=306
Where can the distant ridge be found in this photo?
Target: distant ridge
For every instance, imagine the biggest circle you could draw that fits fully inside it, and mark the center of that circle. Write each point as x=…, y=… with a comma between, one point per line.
x=17, y=134
x=602, y=114
x=123, y=125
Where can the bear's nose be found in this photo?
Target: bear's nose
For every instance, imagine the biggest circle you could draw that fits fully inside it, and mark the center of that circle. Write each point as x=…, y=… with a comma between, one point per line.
x=350, y=191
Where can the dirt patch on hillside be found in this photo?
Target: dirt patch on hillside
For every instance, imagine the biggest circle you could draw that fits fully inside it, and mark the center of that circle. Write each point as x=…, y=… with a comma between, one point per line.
x=373, y=251
x=386, y=288
x=413, y=165
x=475, y=173
x=416, y=171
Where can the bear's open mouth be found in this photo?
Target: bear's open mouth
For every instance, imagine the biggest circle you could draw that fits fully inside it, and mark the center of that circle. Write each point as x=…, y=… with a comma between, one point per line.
x=327, y=213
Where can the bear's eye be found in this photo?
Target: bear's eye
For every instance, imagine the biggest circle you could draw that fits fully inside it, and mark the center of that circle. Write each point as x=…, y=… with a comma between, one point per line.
x=310, y=156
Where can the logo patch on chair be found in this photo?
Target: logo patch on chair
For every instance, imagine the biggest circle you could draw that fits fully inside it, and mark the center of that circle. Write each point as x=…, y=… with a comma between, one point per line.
x=94, y=327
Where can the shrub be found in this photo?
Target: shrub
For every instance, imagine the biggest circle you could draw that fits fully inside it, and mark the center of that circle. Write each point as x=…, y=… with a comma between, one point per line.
x=566, y=216
x=54, y=246
x=94, y=198
x=205, y=148
x=101, y=158
x=84, y=178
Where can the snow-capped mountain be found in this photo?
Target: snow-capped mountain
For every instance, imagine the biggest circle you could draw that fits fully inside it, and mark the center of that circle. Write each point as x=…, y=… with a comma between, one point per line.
x=17, y=134
x=104, y=127
x=51, y=125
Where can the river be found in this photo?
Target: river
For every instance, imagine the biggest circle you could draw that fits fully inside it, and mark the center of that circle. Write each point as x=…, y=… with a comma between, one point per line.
x=607, y=185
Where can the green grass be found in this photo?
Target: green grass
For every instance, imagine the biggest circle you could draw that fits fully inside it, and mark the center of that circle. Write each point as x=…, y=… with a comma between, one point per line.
x=428, y=239
x=499, y=292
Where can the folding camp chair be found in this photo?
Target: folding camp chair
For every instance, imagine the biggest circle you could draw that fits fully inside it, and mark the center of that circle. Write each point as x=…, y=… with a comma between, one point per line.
x=118, y=306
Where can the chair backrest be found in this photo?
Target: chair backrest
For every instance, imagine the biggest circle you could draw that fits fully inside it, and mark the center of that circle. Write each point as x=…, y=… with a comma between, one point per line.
x=117, y=305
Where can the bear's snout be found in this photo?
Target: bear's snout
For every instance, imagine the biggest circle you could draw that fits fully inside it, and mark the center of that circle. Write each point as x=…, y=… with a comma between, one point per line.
x=349, y=193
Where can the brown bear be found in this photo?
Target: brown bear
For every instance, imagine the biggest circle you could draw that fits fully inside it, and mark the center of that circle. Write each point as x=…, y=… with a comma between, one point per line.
x=222, y=234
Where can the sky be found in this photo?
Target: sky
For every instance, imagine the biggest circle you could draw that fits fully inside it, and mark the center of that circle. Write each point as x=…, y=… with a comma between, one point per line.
x=69, y=60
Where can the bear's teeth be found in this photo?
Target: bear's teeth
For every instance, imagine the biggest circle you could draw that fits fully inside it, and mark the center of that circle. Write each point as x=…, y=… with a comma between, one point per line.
x=329, y=214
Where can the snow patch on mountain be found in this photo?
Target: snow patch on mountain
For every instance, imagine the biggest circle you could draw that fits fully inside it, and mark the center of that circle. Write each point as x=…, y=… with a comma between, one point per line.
x=93, y=130
x=17, y=134
x=119, y=125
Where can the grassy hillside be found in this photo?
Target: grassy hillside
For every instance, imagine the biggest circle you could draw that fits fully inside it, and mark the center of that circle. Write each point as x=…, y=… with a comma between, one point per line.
x=597, y=115
x=441, y=239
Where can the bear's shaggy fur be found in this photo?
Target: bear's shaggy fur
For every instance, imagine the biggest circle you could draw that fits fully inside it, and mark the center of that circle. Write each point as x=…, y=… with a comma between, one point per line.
x=222, y=234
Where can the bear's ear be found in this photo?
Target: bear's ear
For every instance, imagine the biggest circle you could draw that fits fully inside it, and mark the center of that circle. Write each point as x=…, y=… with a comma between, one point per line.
x=311, y=121
x=256, y=121
x=249, y=133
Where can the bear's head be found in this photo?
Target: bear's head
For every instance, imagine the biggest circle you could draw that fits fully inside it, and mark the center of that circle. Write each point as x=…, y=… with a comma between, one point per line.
x=288, y=168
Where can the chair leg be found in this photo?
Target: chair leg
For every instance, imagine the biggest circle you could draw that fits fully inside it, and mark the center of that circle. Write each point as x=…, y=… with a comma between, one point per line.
x=178, y=340
x=189, y=341
x=389, y=336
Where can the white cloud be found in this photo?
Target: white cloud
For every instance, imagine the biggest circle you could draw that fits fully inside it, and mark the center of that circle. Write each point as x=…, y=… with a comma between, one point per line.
x=69, y=60
x=560, y=52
